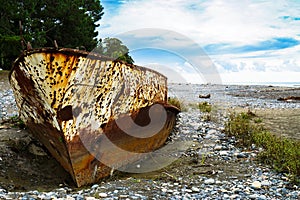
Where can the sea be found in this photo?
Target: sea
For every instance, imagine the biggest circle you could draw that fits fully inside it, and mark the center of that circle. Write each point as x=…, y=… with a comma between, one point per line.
x=282, y=84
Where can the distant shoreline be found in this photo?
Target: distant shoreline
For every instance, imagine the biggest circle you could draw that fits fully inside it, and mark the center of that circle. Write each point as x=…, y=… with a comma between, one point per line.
x=266, y=84
x=280, y=84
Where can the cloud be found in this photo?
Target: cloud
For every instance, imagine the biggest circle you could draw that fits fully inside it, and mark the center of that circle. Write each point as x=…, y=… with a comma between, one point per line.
x=272, y=44
x=239, y=36
x=238, y=22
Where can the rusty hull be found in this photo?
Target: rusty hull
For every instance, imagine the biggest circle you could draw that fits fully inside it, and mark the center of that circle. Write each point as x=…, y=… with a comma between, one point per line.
x=59, y=92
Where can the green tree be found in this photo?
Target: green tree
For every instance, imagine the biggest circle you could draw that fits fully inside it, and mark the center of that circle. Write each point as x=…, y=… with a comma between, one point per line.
x=114, y=48
x=72, y=23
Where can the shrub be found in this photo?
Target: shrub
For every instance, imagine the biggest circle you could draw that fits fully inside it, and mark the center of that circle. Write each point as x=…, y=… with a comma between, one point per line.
x=280, y=153
x=205, y=107
x=176, y=102
x=240, y=126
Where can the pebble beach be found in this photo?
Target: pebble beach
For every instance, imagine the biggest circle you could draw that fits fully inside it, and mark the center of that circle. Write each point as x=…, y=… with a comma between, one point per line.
x=211, y=167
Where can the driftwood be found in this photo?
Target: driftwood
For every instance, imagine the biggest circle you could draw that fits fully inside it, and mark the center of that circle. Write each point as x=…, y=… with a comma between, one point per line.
x=206, y=96
x=290, y=98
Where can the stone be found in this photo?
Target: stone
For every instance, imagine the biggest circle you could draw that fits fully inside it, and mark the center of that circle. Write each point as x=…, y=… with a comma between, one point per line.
x=189, y=190
x=90, y=198
x=253, y=196
x=211, y=132
x=102, y=195
x=209, y=181
x=241, y=155
x=256, y=185
x=223, y=153
x=218, y=147
x=265, y=183
x=95, y=186
x=195, y=189
x=164, y=190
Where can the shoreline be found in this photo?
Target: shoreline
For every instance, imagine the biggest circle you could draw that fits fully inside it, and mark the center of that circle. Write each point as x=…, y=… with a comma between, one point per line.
x=212, y=167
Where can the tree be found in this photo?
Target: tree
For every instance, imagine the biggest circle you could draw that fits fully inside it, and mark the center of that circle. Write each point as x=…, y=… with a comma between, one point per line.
x=72, y=23
x=114, y=48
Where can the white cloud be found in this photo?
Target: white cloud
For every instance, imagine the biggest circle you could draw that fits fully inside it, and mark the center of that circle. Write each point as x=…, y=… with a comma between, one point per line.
x=260, y=77
x=283, y=60
x=235, y=23
x=239, y=22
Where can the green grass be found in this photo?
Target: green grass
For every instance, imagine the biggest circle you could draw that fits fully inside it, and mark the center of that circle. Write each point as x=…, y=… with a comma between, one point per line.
x=177, y=103
x=282, y=154
x=205, y=107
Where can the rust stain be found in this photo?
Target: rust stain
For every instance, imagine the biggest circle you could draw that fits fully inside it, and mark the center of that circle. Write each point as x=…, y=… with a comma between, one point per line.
x=58, y=92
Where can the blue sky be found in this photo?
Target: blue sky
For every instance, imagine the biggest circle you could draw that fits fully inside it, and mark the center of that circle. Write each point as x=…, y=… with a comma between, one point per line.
x=210, y=41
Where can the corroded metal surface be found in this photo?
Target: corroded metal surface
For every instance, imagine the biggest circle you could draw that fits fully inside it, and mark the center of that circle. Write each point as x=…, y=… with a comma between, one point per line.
x=60, y=91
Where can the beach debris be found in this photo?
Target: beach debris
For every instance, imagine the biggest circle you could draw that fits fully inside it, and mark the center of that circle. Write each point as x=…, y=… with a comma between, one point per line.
x=289, y=99
x=204, y=96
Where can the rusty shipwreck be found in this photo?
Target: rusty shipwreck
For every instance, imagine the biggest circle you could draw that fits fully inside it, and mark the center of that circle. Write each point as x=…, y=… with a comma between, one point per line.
x=80, y=104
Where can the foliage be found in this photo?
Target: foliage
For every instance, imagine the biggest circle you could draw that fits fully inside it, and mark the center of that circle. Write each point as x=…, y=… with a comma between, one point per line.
x=72, y=23
x=281, y=153
x=114, y=48
x=177, y=103
x=205, y=107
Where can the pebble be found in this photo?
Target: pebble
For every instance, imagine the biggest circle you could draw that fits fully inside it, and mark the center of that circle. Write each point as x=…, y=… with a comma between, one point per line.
x=265, y=183
x=102, y=195
x=256, y=185
x=90, y=198
x=262, y=183
x=209, y=181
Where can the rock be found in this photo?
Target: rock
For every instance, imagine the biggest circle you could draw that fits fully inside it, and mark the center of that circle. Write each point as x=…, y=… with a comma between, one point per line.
x=253, y=196
x=209, y=181
x=189, y=190
x=262, y=197
x=164, y=190
x=95, y=186
x=265, y=183
x=256, y=185
x=102, y=195
x=212, y=131
x=241, y=155
x=223, y=153
x=218, y=147
x=90, y=198
x=195, y=189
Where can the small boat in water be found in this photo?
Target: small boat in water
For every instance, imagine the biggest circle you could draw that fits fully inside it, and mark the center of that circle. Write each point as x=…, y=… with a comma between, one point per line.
x=94, y=114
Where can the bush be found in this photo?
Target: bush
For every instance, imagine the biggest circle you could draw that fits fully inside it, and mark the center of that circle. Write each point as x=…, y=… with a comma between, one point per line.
x=176, y=102
x=280, y=153
x=205, y=107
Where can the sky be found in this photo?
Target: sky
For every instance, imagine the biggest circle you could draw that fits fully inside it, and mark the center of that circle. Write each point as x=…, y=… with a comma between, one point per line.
x=211, y=41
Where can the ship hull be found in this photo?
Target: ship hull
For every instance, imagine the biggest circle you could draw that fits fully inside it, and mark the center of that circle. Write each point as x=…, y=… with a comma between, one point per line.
x=83, y=108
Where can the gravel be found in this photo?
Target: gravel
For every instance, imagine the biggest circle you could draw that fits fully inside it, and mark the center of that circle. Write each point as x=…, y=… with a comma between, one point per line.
x=212, y=167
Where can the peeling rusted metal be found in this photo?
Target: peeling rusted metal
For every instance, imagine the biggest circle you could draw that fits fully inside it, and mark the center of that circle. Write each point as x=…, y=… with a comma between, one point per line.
x=58, y=92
